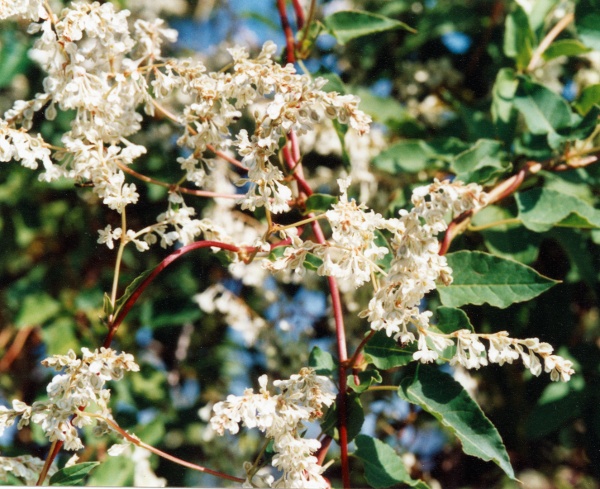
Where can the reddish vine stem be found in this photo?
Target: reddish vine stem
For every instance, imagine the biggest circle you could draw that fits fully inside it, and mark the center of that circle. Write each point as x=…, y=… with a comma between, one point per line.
x=501, y=191
x=322, y=452
x=174, y=187
x=287, y=30
x=336, y=304
x=299, y=11
x=116, y=321
x=125, y=310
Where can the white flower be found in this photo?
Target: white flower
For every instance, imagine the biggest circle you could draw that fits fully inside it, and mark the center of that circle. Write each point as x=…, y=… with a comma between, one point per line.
x=24, y=467
x=81, y=383
x=416, y=265
x=107, y=235
x=281, y=418
x=25, y=9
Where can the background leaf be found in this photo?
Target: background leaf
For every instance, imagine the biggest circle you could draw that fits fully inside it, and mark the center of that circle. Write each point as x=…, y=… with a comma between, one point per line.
x=346, y=25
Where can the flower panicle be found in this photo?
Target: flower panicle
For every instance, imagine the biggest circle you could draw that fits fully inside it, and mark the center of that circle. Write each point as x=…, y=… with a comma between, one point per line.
x=281, y=417
x=80, y=385
x=471, y=352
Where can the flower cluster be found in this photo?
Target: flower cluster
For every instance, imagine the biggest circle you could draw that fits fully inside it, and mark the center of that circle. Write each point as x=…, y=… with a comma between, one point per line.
x=471, y=352
x=80, y=385
x=352, y=252
x=416, y=264
x=281, y=417
x=25, y=467
x=105, y=69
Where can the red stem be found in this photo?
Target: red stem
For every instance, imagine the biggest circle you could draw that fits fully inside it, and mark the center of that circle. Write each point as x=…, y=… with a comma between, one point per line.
x=336, y=304
x=287, y=30
x=300, y=20
x=149, y=279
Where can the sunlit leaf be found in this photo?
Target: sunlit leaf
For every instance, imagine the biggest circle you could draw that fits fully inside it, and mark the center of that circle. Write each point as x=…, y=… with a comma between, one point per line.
x=483, y=161
x=543, y=110
x=480, y=278
x=587, y=22
x=518, y=37
x=565, y=47
x=588, y=97
x=73, y=475
x=385, y=353
x=320, y=202
x=322, y=362
x=346, y=25
x=540, y=209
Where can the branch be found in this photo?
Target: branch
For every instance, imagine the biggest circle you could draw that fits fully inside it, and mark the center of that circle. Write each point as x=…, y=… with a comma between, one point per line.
x=287, y=30
x=156, y=271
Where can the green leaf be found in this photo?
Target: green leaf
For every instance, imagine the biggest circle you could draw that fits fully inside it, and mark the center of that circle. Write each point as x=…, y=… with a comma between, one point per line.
x=36, y=309
x=312, y=262
x=366, y=379
x=355, y=417
x=107, y=306
x=320, y=202
x=518, y=37
x=322, y=362
x=350, y=24
x=443, y=397
x=538, y=13
x=507, y=237
x=480, y=278
x=114, y=472
x=504, y=113
x=587, y=22
x=483, y=161
x=451, y=319
x=386, y=110
x=130, y=290
x=60, y=336
x=334, y=82
x=414, y=155
x=579, y=129
x=410, y=156
x=580, y=257
x=386, y=353
x=383, y=466
x=588, y=97
x=565, y=47
x=544, y=111
x=540, y=209
x=74, y=475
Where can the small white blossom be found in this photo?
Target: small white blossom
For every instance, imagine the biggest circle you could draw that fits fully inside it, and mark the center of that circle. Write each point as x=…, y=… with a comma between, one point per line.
x=24, y=467
x=80, y=385
x=281, y=417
